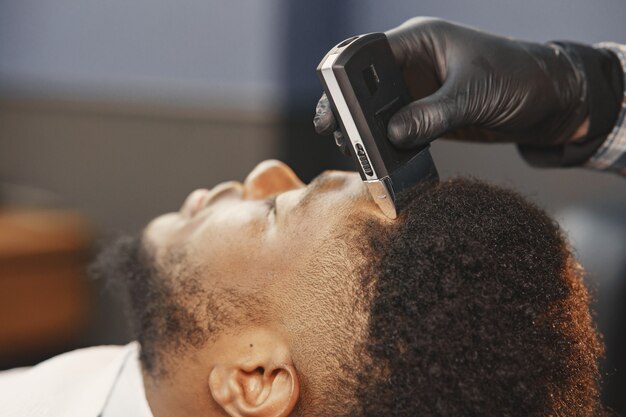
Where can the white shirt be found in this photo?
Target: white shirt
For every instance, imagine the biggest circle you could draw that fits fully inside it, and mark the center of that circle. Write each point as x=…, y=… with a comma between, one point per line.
x=128, y=397
x=103, y=381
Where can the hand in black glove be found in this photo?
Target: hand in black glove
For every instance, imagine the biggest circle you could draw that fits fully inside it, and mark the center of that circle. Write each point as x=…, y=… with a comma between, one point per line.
x=472, y=85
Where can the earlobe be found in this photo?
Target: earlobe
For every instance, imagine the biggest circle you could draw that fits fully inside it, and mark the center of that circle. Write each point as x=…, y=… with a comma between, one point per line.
x=255, y=391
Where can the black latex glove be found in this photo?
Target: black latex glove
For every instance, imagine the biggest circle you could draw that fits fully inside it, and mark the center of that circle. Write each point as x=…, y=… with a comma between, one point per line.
x=477, y=86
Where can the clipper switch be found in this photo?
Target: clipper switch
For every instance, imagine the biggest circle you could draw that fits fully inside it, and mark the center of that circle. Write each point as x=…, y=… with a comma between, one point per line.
x=365, y=164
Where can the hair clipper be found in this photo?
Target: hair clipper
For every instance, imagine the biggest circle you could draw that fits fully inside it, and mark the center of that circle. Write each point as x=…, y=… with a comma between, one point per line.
x=365, y=88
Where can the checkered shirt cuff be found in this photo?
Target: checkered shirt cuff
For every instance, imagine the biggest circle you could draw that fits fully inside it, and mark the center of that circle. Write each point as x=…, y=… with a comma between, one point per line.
x=611, y=156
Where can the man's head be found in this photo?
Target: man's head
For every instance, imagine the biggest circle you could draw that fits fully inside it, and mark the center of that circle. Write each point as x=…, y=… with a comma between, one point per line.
x=271, y=298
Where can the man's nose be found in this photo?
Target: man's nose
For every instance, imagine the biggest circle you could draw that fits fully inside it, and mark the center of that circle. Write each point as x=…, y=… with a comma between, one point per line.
x=269, y=178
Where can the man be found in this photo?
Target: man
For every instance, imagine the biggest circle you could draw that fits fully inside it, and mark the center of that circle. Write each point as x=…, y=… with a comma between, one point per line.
x=269, y=298
x=562, y=103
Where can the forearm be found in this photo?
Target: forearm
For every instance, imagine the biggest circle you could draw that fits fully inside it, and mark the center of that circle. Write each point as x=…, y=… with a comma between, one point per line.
x=604, y=72
x=611, y=155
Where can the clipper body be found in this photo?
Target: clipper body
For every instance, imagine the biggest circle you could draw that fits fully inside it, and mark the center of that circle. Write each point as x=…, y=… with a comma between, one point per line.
x=365, y=88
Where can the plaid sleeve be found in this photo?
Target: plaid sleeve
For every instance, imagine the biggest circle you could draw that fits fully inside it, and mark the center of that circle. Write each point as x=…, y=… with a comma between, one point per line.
x=611, y=156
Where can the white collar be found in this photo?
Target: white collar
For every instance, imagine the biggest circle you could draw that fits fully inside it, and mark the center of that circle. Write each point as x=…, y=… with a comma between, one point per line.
x=128, y=396
x=74, y=384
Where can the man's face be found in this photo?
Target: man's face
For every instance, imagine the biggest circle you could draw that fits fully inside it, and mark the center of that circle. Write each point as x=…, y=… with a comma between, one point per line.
x=247, y=283
x=274, y=245
x=259, y=234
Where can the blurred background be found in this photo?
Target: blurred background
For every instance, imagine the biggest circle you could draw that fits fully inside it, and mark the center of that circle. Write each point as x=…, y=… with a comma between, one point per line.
x=111, y=112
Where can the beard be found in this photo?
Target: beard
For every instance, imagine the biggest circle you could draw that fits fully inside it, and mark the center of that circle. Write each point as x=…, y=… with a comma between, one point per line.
x=169, y=307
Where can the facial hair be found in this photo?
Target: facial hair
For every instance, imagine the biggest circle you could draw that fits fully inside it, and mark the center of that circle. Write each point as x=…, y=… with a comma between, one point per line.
x=170, y=307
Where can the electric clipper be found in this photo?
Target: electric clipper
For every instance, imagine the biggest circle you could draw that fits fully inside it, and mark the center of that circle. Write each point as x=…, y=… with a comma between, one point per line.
x=365, y=88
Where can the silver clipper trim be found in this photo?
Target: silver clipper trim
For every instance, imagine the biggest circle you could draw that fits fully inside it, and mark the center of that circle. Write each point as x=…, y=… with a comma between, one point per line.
x=382, y=192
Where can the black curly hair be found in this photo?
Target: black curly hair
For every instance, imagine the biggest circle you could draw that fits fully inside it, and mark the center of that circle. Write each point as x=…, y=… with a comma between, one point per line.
x=477, y=309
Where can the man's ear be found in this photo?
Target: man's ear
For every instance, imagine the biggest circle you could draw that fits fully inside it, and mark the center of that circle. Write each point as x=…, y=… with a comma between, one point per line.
x=256, y=380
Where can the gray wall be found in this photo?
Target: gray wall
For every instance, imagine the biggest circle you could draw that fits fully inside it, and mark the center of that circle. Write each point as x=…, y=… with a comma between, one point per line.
x=200, y=51
x=538, y=20
x=123, y=165
x=213, y=53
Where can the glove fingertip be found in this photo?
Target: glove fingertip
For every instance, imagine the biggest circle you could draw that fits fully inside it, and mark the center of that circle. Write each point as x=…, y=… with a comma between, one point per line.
x=397, y=131
x=318, y=125
x=400, y=134
x=324, y=120
x=324, y=124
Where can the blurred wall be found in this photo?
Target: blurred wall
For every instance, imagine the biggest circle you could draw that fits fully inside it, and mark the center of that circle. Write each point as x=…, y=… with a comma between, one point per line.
x=123, y=165
x=209, y=53
x=120, y=109
x=124, y=107
x=537, y=20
